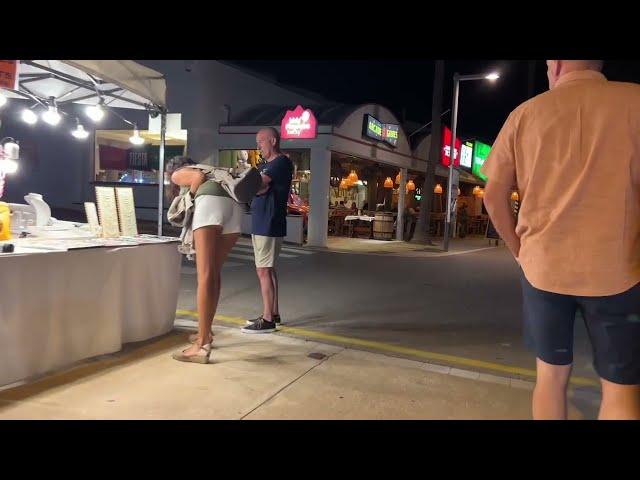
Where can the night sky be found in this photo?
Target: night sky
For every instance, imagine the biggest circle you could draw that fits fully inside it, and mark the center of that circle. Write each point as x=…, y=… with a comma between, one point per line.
x=407, y=85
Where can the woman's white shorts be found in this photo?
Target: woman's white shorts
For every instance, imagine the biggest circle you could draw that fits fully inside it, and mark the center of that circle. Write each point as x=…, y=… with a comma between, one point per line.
x=215, y=210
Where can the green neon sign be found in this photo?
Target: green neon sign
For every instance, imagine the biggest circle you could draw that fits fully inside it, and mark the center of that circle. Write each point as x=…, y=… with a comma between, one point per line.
x=480, y=154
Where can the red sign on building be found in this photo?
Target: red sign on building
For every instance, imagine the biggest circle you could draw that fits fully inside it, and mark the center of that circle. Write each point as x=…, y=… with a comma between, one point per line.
x=299, y=124
x=446, y=146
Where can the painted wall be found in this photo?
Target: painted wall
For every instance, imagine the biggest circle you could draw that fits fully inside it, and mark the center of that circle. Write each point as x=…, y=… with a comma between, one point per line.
x=202, y=93
x=400, y=156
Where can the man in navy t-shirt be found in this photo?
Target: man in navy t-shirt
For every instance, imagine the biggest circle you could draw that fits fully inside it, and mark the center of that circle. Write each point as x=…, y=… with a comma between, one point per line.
x=269, y=225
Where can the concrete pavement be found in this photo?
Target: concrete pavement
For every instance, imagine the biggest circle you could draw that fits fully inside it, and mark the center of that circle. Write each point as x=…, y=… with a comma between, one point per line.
x=457, y=246
x=269, y=377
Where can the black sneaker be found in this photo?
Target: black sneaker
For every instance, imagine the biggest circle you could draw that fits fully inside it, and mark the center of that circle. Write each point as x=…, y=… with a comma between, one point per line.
x=260, y=326
x=275, y=318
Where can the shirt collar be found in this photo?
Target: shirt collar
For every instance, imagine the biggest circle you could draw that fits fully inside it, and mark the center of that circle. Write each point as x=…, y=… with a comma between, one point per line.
x=579, y=75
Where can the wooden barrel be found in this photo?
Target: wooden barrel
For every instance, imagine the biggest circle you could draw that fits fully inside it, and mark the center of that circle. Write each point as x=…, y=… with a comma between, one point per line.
x=383, y=226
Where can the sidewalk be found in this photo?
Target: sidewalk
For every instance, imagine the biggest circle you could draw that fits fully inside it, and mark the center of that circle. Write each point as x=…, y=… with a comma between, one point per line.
x=401, y=248
x=269, y=377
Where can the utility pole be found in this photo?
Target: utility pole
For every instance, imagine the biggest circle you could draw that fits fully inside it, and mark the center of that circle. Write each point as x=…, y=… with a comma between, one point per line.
x=421, y=234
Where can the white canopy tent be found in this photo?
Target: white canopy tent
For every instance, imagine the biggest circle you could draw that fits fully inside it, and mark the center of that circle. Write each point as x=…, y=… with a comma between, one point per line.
x=114, y=83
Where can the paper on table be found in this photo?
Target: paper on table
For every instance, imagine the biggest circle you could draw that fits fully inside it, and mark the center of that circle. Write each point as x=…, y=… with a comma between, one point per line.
x=126, y=211
x=107, y=210
x=92, y=215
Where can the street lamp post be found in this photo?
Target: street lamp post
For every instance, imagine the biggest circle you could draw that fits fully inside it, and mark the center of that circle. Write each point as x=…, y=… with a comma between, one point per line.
x=457, y=78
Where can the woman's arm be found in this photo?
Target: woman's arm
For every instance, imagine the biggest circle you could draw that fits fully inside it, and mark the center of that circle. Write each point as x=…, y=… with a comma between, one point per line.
x=189, y=177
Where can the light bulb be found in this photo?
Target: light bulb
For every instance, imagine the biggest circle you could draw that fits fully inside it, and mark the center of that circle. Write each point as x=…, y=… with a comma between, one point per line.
x=3, y=100
x=136, y=139
x=29, y=117
x=51, y=116
x=80, y=133
x=492, y=76
x=94, y=112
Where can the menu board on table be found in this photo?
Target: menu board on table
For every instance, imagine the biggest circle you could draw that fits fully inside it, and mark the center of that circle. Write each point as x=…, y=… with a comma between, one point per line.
x=107, y=211
x=126, y=211
x=92, y=215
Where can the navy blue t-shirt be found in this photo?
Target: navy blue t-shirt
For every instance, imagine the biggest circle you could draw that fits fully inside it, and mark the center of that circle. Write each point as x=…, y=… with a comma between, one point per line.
x=269, y=210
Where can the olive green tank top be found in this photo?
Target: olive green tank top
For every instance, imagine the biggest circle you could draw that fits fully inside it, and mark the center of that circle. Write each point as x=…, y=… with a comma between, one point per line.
x=211, y=187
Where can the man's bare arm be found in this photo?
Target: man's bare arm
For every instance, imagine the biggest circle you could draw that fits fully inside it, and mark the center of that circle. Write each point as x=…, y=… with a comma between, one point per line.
x=496, y=200
x=266, y=180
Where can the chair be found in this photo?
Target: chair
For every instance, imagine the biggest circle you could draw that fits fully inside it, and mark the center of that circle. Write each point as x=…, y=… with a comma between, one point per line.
x=347, y=226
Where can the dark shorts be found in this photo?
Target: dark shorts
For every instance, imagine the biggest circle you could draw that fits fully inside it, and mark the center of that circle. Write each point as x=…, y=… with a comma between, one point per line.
x=613, y=325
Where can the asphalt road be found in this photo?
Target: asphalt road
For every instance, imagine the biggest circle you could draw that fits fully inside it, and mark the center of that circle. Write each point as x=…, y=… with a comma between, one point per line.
x=467, y=306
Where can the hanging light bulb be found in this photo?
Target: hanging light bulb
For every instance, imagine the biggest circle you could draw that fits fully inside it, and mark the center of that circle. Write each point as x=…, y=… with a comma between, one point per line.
x=3, y=100
x=476, y=190
x=51, y=116
x=343, y=184
x=136, y=139
x=515, y=196
x=80, y=133
x=411, y=186
x=398, y=179
x=480, y=193
x=438, y=189
x=353, y=177
x=29, y=117
x=388, y=183
x=95, y=112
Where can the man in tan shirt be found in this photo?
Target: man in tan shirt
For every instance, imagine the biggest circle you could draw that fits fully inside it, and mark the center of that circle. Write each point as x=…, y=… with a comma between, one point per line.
x=574, y=155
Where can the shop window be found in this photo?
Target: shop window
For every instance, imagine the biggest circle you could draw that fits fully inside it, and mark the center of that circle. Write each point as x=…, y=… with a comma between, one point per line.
x=118, y=160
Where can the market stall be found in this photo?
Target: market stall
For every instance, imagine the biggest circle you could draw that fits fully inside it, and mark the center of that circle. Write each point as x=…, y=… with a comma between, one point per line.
x=59, y=307
x=71, y=291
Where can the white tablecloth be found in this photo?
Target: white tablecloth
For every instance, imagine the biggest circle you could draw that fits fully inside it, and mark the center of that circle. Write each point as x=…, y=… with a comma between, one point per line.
x=61, y=307
x=361, y=217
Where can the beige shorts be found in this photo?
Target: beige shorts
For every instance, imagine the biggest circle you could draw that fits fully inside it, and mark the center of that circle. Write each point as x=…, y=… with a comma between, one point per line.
x=266, y=250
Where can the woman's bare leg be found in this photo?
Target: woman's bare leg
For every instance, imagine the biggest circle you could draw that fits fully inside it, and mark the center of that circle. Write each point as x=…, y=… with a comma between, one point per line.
x=207, y=242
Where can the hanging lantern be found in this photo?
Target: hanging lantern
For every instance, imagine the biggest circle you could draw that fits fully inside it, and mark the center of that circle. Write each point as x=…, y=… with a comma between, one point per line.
x=438, y=189
x=353, y=177
x=388, y=183
x=515, y=196
x=398, y=179
x=411, y=186
x=476, y=190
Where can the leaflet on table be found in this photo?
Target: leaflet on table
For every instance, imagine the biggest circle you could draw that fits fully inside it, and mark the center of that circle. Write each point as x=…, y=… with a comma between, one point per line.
x=60, y=245
x=157, y=238
x=63, y=245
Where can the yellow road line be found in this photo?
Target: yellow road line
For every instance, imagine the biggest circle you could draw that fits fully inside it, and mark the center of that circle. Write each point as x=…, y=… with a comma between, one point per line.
x=387, y=347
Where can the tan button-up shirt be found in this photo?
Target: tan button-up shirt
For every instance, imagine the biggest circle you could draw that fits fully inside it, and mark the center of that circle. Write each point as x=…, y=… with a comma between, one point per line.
x=574, y=154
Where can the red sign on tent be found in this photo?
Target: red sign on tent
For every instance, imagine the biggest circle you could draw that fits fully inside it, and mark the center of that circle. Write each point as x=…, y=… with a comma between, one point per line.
x=9, y=74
